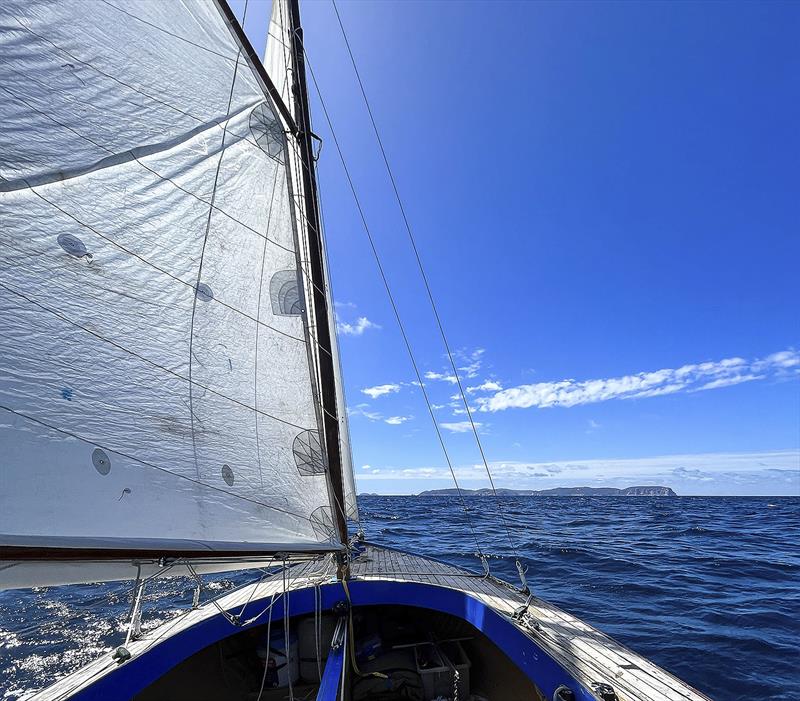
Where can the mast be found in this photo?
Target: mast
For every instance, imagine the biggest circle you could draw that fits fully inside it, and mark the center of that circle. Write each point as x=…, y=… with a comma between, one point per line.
x=327, y=372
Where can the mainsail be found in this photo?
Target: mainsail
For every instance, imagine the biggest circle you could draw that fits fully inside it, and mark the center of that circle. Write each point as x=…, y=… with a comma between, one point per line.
x=160, y=384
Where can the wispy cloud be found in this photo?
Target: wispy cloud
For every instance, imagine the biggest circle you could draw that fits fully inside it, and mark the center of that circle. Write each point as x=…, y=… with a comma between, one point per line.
x=486, y=386
x=397, y=420
x=687, y=378
x=444, y=377
x=364, y=410
x=459, y=426
x=357, y=328
x=380, y=390
x=471, y=362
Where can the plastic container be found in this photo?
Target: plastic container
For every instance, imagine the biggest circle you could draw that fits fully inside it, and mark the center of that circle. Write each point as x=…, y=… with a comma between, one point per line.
x=280, y=667
x=436, y=675
x=453, y=653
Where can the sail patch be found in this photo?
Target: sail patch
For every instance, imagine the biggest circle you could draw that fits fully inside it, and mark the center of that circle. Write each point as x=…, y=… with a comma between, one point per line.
x=308, y=454
x=227, y=475
x=322, y=523
x=73, y=245
x=101, y=461
x=204, y=292
x=267, y=131
x=284, y=291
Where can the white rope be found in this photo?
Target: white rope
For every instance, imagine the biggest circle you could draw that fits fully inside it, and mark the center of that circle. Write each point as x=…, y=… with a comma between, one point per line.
x=266, y=660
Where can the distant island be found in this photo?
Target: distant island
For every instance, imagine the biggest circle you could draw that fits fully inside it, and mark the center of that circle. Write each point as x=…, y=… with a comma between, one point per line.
x=646, y=491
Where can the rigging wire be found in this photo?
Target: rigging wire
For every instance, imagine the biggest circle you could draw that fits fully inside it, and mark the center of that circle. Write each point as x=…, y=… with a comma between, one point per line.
x=393, y=304
x=425, y=280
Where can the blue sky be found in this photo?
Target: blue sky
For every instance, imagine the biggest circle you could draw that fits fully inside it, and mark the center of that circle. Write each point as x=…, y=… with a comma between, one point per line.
x=606, y=199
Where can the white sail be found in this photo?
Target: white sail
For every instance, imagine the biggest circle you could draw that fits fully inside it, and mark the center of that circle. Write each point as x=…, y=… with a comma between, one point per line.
x=157, y=380
x=280, y=64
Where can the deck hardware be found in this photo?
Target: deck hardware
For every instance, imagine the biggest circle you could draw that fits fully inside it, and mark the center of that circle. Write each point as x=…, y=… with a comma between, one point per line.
x=524, y=617
x=604, y=691
x=522, y=570
x=485, y=564
x=135, y=623
x=563, y=693
x=196, y=596
x=121, y=654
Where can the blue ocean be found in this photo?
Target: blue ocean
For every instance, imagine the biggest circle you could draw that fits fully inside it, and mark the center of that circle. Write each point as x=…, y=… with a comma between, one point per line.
x=708, y=588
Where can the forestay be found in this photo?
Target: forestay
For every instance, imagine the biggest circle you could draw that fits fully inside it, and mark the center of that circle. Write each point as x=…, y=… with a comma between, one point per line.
x=159, y=385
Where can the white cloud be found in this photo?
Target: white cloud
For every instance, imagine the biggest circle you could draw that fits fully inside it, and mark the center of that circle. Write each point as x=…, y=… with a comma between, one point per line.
x=486, y=386
x=380, y=390
x=688, y=378
x=459, y=426
x=366, y=467
x=473, y=361
x=452, y=379
x=397, y=420
x=472, y=364
x=363, y=410
x=357, y=328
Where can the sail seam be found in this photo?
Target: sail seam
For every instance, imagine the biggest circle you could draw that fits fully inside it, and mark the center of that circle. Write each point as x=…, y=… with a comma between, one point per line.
x=199, y=482
x=135, y=154
x=172, y=34
x=258, y=315
x=244, y=405
x=162, y=270
x=31, y=186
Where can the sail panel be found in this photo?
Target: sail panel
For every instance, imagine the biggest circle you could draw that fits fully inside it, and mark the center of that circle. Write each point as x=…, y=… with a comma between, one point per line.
x=156, y=363
x=280, y=65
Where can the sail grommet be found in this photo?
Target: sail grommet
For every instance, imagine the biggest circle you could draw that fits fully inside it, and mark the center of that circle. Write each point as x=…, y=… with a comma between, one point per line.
x=227, y=475
x=74, y=246
x=203, y=292
x=308, y=454
x=267, y=131
x=101, y=461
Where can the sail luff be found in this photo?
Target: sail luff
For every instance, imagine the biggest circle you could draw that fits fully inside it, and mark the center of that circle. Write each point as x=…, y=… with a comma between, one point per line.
x=322, y=313
x=256, y=65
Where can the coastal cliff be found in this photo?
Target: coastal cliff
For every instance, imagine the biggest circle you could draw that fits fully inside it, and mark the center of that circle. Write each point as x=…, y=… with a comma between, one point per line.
x=639, y=491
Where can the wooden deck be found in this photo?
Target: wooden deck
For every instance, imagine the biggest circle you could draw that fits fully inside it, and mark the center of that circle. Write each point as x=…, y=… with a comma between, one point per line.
x=589, y=655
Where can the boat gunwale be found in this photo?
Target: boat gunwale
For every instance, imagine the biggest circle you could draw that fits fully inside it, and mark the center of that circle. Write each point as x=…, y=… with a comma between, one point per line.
x=578, y=666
